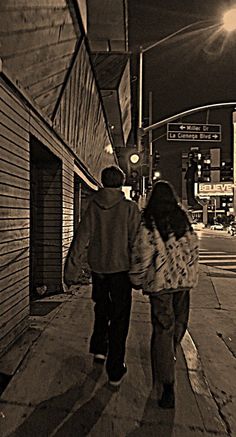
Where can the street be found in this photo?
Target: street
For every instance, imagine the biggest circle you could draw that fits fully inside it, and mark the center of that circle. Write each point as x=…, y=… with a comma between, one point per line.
x=217, y=249
x=55, y=389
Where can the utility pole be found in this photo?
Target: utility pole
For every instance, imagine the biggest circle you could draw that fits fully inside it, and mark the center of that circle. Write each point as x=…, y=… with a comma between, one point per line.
x=140, y=99
x=150, y=155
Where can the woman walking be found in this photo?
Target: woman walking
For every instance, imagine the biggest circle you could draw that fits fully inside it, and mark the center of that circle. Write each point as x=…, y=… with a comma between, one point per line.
x=165, y=266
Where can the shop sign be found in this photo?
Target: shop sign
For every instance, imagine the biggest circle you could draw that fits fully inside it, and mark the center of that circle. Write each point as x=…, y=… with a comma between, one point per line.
x=218, y=189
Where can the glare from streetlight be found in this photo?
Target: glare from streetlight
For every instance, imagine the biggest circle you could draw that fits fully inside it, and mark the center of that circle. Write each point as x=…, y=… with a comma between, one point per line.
x=229, y=20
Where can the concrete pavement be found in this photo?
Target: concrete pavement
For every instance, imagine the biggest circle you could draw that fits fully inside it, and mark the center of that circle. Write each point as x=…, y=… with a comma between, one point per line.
x=56, y=390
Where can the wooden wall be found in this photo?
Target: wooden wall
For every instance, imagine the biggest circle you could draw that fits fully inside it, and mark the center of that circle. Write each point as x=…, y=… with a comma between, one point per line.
x=47, y=137
x=80, y=118
x=18, y=124
x=45, y=219
x=42, y=75
x=39, y=49
x=15, y=217
x=38, y=40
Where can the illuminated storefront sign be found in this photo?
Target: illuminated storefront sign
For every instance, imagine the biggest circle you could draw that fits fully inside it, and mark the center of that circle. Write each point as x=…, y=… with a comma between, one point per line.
x=218, y=189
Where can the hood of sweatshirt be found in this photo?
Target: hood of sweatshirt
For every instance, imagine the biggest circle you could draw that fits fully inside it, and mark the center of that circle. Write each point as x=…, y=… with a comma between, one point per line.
x=107, y=198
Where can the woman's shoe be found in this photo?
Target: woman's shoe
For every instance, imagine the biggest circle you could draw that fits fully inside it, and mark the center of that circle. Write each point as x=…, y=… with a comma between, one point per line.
x=168, y=397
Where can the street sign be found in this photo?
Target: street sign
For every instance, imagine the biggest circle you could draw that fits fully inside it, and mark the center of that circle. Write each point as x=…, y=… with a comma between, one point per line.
x=193, y=132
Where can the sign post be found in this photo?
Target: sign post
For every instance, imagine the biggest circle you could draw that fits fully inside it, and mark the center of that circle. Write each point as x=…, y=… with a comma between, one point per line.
x=234, y=162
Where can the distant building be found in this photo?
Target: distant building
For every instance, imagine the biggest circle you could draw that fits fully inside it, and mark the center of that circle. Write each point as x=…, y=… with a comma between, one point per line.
x=210, y=184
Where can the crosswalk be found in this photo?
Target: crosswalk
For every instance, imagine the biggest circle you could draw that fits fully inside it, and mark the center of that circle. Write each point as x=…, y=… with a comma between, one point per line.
x=221, y=260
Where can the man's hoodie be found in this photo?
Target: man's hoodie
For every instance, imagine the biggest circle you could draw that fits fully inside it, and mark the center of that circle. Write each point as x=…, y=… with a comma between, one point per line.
x=108, y=229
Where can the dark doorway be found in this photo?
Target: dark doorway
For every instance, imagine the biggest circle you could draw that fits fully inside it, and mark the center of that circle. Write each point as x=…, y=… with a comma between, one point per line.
x=45, y=221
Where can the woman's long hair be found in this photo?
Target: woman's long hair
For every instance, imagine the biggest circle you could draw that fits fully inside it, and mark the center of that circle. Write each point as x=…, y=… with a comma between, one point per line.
x=164, y=209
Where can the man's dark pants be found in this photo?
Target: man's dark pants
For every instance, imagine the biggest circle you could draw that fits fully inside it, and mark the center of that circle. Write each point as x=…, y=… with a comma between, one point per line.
x=112, y=296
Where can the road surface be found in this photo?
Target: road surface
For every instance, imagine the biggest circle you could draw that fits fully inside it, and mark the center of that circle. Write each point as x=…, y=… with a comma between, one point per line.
x=217, y=249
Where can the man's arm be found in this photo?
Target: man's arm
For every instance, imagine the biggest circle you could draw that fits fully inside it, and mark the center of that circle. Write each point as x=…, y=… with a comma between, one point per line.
x=134, y=222
x=72, y=268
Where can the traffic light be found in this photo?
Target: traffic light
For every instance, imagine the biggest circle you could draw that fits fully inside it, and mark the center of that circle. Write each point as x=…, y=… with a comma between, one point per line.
x=226, y=171
x=134, y=173
x=134, y=180
x=130, y=161
x=190, y=176
x=156, y=159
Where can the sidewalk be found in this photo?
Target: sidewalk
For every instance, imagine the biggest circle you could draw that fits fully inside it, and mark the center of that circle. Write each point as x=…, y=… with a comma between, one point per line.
x=56, y=390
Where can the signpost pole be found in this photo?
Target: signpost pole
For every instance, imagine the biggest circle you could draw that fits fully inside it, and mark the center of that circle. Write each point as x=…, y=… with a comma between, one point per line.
x=234, y=163
x=215, y=208
x=205, y=213
x=150, y=157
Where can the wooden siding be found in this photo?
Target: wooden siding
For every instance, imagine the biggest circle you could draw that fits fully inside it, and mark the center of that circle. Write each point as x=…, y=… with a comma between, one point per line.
x=53, y=143
x=37, y=43
x=18, y=124
x=14, y=217
x=80, y=118
x=46, y=219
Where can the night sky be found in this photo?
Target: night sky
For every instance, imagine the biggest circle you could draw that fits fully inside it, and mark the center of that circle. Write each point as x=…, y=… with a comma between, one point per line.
x=195, y=68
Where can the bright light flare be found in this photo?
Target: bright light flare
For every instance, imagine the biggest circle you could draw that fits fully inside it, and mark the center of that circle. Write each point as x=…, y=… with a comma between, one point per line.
x=134, y=158
x=156, y=175
x=229, y=20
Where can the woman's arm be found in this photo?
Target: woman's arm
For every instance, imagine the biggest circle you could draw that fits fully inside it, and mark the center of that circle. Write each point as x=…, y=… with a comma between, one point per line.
x=141, y=256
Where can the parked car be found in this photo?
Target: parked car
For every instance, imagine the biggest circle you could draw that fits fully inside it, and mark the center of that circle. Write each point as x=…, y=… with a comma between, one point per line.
x=198, y=226
x=231, y=229
x=217, y=226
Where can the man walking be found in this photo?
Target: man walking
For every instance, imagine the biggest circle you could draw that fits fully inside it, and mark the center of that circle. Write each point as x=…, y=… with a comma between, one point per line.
x=108, y=229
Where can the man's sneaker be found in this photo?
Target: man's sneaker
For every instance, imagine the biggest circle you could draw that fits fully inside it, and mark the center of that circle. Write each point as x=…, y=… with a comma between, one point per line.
x=116, y=382
x=99, y=358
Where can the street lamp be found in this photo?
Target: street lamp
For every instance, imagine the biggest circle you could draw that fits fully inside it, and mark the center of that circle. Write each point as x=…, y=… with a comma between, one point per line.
x=229, y=24
x=143, y=50
x=229, y=20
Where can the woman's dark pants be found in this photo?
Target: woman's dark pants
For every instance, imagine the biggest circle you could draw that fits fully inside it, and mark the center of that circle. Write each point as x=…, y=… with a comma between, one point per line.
x=169, y=314
x=112, y=296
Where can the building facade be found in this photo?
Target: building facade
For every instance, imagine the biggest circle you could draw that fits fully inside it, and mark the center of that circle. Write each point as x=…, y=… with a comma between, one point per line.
x=55, y=138
x=208, y=192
